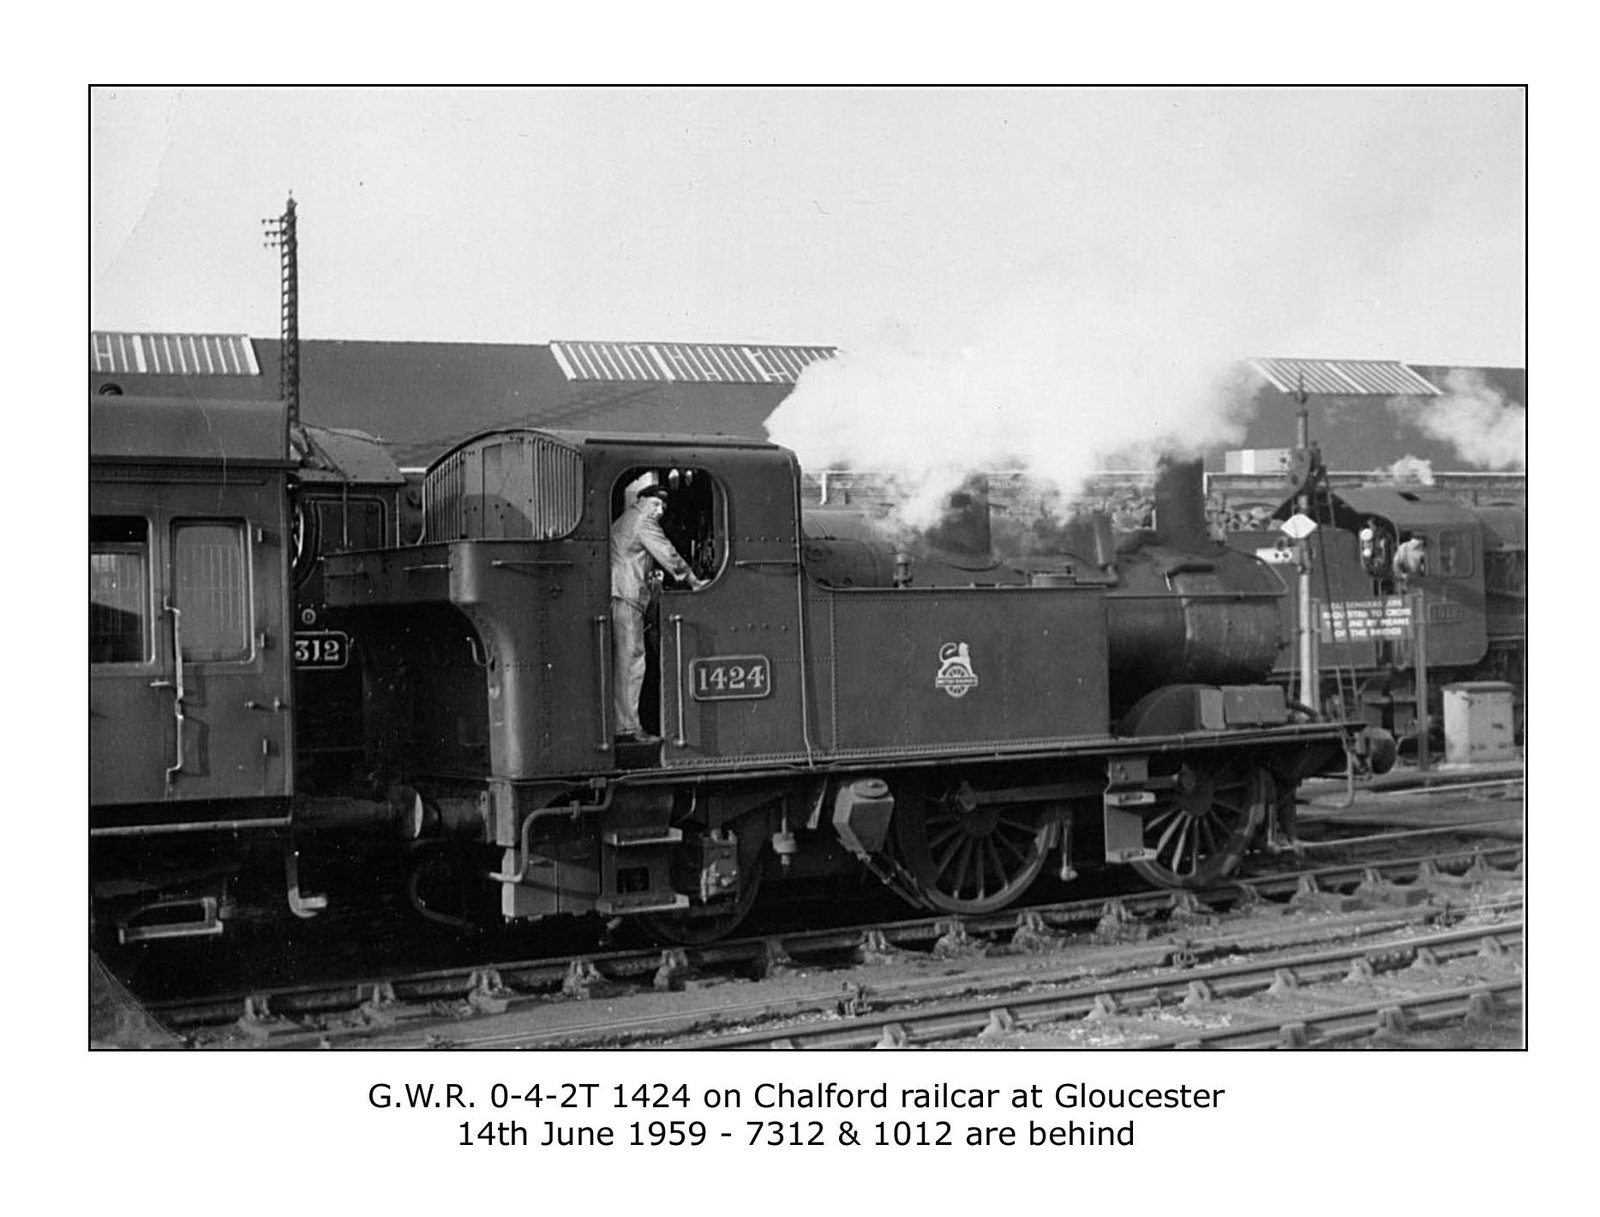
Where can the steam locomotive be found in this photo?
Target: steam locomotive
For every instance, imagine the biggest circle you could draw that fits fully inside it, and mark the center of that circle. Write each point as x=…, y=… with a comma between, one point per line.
x=277, y=660
x=1466, y=563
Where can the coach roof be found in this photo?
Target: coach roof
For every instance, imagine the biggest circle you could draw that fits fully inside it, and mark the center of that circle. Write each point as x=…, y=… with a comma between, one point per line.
x=188, y=430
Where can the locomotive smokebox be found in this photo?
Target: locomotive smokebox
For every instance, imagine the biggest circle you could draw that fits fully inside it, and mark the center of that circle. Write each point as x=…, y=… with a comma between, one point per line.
x=1186, y=608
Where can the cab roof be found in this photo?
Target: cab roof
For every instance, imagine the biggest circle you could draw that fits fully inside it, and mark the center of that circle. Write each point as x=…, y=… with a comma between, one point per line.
x=581, y=440
x=1413, y=507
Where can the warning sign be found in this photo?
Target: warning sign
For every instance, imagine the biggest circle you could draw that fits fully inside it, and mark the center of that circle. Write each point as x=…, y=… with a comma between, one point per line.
x=1363, y=620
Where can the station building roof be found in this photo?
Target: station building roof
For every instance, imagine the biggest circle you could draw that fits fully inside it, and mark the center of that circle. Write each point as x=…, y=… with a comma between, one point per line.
x=1368, y=414
x=423, y=398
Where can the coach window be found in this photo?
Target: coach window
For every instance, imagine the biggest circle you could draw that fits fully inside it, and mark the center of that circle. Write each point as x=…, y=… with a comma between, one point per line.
x=119, y=589
x=211, y=589
x=1455, y=554
x=693, y=518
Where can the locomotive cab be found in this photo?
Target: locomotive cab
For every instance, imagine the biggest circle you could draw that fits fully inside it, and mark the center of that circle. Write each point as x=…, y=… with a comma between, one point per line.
x=1382, y=542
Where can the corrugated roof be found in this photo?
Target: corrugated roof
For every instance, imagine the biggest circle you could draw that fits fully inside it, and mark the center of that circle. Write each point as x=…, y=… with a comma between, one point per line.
x=1510, y=383
x=694, y=362
x=116, y=351
x=1345, y=377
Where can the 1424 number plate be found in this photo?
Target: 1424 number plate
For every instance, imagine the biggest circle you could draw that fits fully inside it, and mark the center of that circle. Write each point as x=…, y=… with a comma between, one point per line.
x=728, y=677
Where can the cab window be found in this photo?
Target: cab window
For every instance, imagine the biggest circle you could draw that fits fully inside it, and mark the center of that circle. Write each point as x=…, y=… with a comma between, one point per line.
x=693, y=520
x=119, y=589
x=1455, y=554
x=1506, y=571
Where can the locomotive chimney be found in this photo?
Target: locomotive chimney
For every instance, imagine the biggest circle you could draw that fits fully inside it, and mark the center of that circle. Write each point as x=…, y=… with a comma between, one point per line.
x=1181, y=505
x=964, y=527
x=1089, y=536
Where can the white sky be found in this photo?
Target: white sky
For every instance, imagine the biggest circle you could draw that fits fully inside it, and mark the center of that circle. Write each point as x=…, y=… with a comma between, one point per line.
x=1366, y=223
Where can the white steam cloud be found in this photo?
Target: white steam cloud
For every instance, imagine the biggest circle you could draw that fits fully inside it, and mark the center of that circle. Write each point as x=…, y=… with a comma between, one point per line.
x=1473, y=417
x=1410, y=470
x=1057, y=382
x=1079, y=301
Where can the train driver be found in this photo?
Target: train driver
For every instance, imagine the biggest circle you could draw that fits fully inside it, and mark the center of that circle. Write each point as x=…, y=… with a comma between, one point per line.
x=637, y=546
x=1411, y=559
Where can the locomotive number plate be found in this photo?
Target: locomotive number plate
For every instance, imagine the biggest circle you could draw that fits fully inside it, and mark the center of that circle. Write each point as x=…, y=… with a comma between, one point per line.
x=321, y=649
x=730, y=677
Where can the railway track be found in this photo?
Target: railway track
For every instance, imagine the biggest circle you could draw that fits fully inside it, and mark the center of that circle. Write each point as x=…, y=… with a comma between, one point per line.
x=418, y=1008
x=979, y=998
x=1315, y=977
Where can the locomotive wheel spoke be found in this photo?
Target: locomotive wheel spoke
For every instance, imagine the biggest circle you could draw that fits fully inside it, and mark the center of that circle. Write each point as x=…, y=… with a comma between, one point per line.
x=969, y=861
x=1157, y=820
x=959, y=874
x=946, y=857
x=1205, y=827
x=1183, y=839
x=1011, y=848
x=936, y=839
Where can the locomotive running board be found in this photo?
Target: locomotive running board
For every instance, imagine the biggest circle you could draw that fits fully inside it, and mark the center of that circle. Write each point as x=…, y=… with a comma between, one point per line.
x=640, y=904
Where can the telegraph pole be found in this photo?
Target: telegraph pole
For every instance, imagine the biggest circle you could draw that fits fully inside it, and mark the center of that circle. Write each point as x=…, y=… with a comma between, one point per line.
x=281, y=232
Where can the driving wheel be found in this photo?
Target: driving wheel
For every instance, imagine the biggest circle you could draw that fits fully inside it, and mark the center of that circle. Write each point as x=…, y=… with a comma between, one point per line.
x=966, y=854
x=1204, y=824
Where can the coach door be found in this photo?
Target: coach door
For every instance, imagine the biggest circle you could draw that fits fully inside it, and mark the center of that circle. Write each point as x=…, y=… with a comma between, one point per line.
x=127, y=728
x=196, y=589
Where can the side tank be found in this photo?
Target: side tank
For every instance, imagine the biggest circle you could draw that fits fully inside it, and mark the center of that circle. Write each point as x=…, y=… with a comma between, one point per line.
x=1180, y=607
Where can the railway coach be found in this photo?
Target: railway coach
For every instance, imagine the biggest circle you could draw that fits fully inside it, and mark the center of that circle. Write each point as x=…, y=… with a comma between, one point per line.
x=222, y=691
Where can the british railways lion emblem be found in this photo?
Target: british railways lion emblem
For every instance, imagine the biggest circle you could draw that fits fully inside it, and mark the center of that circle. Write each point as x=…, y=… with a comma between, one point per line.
x=955, y=670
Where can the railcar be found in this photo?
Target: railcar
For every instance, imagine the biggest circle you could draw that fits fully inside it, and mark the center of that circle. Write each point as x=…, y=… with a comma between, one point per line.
x=929, y=712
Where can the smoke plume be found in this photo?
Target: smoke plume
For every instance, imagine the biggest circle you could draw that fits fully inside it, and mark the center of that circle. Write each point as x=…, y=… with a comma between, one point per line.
x=1050, y=382
x=1085, y=312
x=1474, y=418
